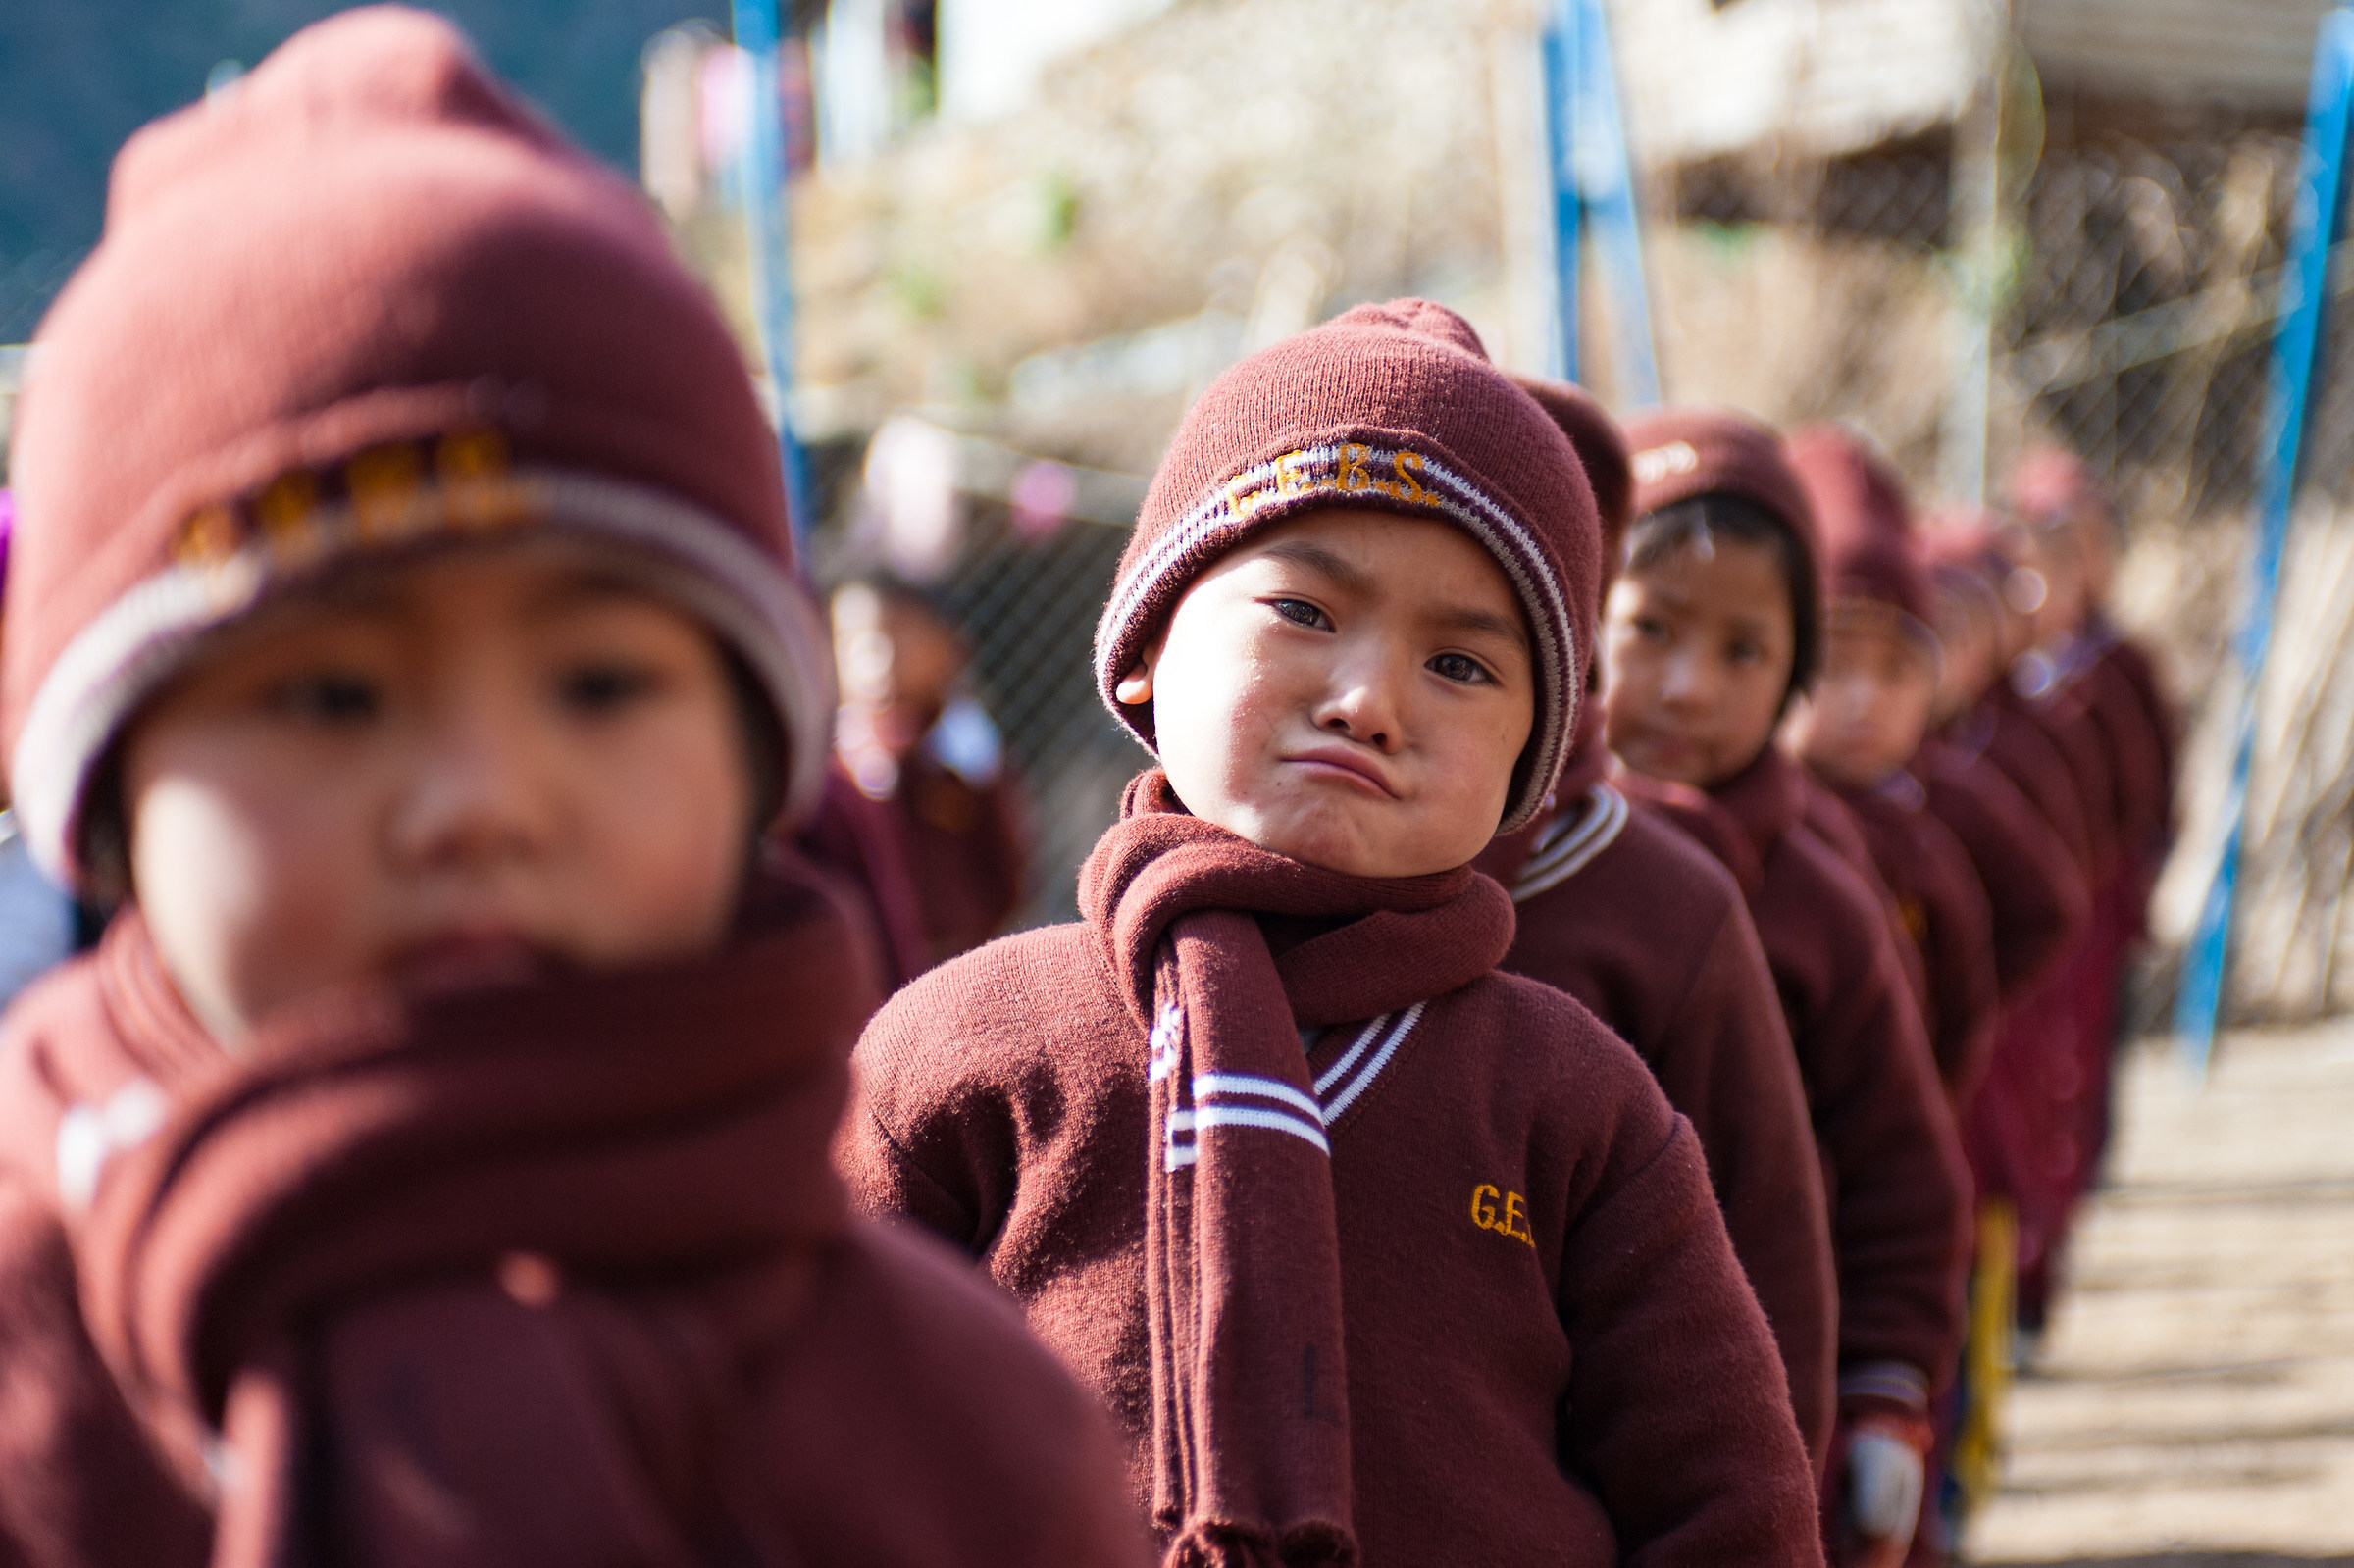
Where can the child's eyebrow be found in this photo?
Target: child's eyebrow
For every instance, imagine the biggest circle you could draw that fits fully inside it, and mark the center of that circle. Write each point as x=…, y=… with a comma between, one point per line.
x=1467, y=618
x=1345, y=575
x=585, y=587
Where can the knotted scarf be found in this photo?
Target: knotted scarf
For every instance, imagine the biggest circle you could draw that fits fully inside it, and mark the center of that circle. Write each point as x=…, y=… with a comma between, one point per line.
x=1243, y=1282
x=588, y=1197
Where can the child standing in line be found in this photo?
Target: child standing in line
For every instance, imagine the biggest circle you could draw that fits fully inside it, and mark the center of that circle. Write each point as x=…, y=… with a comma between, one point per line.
x=1376, y=1254
x=1712, y=628
x=432, y=1163
x=2020, y=1130
x=1624, y=912
x=1862, y=726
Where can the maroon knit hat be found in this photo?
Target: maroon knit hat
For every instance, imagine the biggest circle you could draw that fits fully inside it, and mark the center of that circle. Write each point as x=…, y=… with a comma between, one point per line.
x=1869, y=547
x=1682, y=454
x=1601, y=448
x=366, y=299
x=1393, y=407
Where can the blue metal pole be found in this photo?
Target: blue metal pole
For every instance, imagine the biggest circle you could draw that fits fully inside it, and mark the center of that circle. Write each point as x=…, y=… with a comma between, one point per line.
x=1558, y=47
x=1605, y=175
x=762, y=174
x=2313, y=230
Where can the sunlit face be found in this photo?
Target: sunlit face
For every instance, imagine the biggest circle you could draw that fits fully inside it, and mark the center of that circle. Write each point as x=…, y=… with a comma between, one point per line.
x=1696, y=650
x=899, y=663
x=423, y=767
x=1351, y=688
x=1871, y=705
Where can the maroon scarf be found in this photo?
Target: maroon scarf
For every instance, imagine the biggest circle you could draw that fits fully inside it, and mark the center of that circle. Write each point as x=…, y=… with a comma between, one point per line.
x=1250, y=1388
x=594, y=1195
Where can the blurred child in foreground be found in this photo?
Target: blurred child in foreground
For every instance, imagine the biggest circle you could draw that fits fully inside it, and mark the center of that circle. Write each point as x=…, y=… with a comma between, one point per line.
x=431, y=1164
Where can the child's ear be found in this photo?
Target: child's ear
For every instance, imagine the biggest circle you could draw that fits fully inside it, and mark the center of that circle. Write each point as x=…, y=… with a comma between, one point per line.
x=1136, y=686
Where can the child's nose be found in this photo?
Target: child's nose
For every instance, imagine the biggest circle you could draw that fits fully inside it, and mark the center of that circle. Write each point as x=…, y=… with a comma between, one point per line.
x=475, y=794
x=1363, y=704
x=1687, y=680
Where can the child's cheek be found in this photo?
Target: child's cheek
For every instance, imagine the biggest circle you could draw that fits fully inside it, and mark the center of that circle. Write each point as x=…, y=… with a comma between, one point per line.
x=251, y=890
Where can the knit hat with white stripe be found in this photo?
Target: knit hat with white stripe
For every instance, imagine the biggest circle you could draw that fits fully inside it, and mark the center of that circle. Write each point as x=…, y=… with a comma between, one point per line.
x=363, y=301
x=1393, y=407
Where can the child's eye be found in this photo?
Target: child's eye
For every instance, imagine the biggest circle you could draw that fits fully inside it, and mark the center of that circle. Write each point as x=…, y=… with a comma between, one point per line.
x=601, y=688
x=1301, y=613
x=1745, y=654
x=330, y=699
x=1460, y=668
x=1650, y=626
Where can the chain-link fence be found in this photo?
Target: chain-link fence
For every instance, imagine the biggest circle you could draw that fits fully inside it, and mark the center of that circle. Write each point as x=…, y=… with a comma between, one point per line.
x=2132, y=288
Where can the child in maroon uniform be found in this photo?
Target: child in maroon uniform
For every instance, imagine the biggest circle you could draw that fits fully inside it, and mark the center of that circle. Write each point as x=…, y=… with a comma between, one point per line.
x=1862, y=724
x=1711, y=628
x=432, y=1163
x=1626, y=914
x=2020, y=1130
x=1376, y=1254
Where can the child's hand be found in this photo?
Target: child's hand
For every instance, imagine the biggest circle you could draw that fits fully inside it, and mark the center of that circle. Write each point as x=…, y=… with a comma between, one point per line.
x=1881, y=1470
x=1884, y=1482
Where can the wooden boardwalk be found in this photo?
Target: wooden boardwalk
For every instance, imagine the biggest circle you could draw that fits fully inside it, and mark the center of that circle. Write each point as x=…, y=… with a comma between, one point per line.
x=2193, y=1405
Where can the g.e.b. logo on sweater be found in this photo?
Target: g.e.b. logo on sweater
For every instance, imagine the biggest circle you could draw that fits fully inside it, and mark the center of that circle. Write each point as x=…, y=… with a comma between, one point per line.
x=1505, y=1213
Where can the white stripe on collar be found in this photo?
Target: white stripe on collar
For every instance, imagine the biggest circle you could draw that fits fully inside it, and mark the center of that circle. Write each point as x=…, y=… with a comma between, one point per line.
x=1568, y=846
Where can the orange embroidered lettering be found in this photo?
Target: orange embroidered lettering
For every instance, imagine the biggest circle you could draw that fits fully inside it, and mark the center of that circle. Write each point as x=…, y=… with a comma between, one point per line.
x=285, y=509
x=1408, y=465
x=207, y=538
x=472, y=468
x=1515, y=1218
x=1289, y=478
x=1240, y=500
x=1511, y=1220
x=1353, y=475
x=382, y=480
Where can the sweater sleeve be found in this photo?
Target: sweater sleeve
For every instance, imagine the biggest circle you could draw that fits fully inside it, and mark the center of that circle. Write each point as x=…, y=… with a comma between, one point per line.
x=1736, y=1078
x=928, y=1137
x=1676, y=1413
x=1900, y=1198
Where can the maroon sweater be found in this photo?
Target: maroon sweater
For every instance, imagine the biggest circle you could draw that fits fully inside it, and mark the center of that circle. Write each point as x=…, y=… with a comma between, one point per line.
x=1945, y=913
x=1832, y=817
x=2017, y=749
x=547, y=1272
x=1552, y=1356
x=2034, y=890
x=1893, y=1173
x=2056, y=710
x=1626, y=914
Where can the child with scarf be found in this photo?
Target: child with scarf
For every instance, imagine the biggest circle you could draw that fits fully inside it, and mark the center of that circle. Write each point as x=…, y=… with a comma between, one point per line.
x=431, y=1165
x=1861, y=728
x=1712, y=627
x=1376, y=1254
x=1622, y=911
